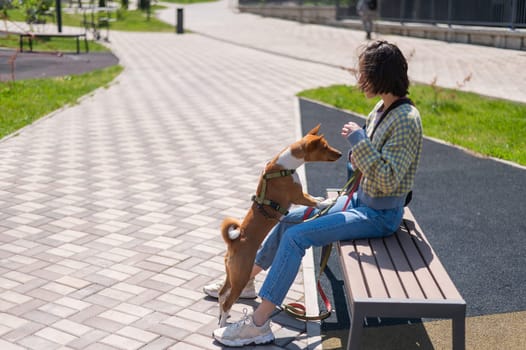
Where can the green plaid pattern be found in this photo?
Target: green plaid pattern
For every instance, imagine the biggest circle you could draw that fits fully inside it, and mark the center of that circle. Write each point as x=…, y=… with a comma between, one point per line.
x=389, y=161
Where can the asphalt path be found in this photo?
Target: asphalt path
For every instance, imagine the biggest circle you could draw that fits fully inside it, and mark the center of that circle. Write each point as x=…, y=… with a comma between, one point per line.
x=30, y=65
x=470, y=207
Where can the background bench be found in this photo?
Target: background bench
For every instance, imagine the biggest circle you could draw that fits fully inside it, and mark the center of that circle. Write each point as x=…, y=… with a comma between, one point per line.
x=31, y=36
x=399, y=276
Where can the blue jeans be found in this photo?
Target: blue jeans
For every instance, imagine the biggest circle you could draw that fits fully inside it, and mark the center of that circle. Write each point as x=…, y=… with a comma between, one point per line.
x=285, y=246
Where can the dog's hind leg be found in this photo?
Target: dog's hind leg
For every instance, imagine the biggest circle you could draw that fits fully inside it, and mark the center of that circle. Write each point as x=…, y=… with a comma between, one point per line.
x=224, y=292
x=238, y=279
x=226, y=305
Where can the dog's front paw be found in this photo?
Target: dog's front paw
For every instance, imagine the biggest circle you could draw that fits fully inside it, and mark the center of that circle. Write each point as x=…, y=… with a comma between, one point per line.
x=323, y=203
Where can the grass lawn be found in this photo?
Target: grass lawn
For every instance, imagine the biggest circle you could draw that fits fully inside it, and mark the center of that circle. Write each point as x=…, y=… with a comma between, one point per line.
x=484, y=125
x=25, y=101
x=135, y=20
x=130, y=20
x=125, y=20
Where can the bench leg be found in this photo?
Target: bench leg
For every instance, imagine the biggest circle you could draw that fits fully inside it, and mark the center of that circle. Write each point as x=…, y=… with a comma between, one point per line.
x=355, y=333
x=459, y=333
x=78, y=45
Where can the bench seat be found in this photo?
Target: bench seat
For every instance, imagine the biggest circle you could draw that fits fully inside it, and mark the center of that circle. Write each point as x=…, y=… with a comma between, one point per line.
x=399, y=276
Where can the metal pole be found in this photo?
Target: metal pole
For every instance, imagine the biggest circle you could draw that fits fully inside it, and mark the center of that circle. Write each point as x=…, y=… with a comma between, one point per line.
x=513, y=14
x=402, y=11
x=180, y=29
x=148, y=10
x=449, y=12
x=59, y=15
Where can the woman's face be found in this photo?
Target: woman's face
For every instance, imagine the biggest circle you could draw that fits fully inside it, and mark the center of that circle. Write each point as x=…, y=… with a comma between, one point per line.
x=369, y=94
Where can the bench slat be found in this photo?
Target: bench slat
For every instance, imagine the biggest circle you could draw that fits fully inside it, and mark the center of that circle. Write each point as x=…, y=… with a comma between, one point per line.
x=373, y=282
x=439, y=272
x=419, y=265
x=351, y=268
x=403, y=269
x=389, y=275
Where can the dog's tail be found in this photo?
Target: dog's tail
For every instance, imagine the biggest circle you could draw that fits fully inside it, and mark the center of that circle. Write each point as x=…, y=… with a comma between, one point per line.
x=230, y=229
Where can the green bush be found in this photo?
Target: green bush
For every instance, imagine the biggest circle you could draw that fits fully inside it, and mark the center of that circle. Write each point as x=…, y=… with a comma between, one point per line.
x=36, y=10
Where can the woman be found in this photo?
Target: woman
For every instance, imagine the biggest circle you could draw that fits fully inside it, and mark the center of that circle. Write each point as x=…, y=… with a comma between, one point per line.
x=387, y=160
x=367, y=11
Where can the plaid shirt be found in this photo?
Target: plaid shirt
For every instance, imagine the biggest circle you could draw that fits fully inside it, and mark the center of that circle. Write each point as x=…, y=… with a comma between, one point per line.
x=389, y=161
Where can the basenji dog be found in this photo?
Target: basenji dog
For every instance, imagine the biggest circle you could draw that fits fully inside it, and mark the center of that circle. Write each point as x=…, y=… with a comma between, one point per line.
x=279, y=187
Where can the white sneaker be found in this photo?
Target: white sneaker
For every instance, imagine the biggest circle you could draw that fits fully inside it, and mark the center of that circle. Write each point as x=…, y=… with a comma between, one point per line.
x=249, y=292
x=244, y=332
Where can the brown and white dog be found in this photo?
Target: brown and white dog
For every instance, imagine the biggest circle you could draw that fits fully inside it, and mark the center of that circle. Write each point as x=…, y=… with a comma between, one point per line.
x=279, y=187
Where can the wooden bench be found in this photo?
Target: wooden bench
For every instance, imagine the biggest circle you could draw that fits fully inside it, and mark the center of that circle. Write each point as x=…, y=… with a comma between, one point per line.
x=399, y=276
x=31, y=36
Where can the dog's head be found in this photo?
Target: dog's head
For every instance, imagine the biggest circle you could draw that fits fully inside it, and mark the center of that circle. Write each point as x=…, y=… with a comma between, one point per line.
x=315, y=148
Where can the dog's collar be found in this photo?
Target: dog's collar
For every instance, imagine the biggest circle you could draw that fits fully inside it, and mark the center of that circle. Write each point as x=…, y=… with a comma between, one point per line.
x=279, y=173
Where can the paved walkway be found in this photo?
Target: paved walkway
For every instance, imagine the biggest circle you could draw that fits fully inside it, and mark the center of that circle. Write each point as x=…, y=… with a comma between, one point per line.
x=494, y=72
x=109, y=209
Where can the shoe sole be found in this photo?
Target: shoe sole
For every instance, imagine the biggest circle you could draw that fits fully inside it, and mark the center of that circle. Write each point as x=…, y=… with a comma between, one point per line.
x=216, y=296
x=262, y=339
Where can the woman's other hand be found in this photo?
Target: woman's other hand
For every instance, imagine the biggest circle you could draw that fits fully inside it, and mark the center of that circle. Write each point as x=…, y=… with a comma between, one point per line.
x=349, y=128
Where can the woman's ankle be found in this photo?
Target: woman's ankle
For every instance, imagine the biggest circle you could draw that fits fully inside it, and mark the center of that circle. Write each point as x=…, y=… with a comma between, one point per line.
x=263, y=312
x=259, y=320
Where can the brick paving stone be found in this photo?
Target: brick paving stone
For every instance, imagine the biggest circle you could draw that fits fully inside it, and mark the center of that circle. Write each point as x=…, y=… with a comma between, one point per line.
x=35, y=342
x=103, y=324
x=57, y=310
x=22, y=332
x=100, y=346
x=71, y=327
x=122, y=342
x=134, y=310
x=169, y=331
x=118, y=316
x=183, y=346
x=160, y=343
x=115, y=294
x=202, y=341
x=9, y=346
x=85, y=340
x=182, y=323
x=137, y=334
x=55, y=335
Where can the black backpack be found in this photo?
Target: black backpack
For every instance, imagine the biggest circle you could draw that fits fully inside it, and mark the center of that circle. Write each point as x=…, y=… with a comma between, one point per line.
x=372, y=5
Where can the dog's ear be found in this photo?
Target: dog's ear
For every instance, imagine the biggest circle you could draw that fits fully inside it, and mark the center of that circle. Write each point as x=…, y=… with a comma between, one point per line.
x=315, y=130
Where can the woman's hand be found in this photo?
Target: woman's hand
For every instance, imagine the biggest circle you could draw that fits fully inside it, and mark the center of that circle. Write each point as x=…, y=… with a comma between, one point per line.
x=349, y=128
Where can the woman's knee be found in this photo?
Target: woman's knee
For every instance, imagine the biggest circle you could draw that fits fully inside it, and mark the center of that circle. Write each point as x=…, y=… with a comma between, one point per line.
x=296, y=240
